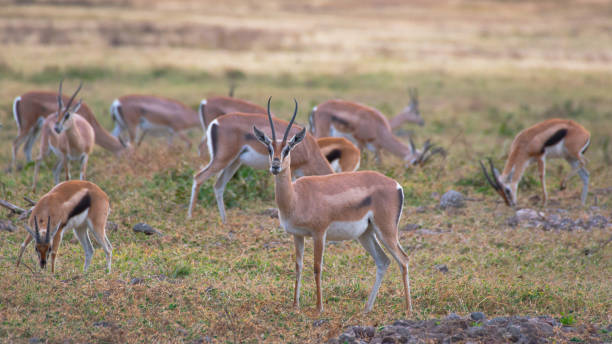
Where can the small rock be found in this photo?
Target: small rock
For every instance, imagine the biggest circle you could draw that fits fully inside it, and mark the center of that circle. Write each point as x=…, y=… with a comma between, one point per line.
x=512, y=221
x=477, y=316
x=442, y=268
x=420, y=210
x=452, y=199
x=347, y=337
x=272, y=212
x=528, y=214
x=515, y=332
x=136, y=280
x=476, y=331
x=102, y=324
x=427, y=231
x=35, y=340
x=146, y=229
x=319, y=322
x=389, y=340
x=7, y=225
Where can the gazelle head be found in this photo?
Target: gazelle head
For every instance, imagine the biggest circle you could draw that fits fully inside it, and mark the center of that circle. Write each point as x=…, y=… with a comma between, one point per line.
x=503, y=185
x=411, y=112
x=43, y=245
x=278, y=151
x=419, y=157
x=64, y=113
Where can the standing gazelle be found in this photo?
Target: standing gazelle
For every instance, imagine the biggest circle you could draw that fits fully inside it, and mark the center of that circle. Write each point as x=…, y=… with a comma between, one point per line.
x=68, y=135
x=552, y=138
x=78, y=205
x=365, y=205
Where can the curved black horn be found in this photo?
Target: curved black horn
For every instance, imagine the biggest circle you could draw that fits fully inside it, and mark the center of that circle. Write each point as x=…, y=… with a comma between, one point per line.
x=291, y=121
x=484, y=170
x=60, y=102
x=271, y=122
x=74, y=95
x=48, y=229
x=36, y=229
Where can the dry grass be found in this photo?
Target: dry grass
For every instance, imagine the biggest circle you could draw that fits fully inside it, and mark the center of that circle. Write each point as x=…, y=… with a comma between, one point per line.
x=233, y=282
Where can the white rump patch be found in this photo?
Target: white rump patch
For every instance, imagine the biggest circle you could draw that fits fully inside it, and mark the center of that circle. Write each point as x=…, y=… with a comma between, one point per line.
x=209, y=142
x=77, y=220
x=15, y=112
x=201, y=114
x=556, y=151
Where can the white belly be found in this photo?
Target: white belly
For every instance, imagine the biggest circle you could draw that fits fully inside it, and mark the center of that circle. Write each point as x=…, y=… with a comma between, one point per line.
x=254, y=159
x=337, y=231
x=77, y=220
x=152, y=128
x=336, y=133
x=556, y=151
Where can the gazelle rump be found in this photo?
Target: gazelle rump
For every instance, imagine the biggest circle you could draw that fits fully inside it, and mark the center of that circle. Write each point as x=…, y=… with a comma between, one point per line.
x=552, y=138
x=366, y=127
x=341, y=153
x=138, y=115
x=231, y=144
x=30, y=110
x=78, y=205
x=365, y=205
x=69, y=136
x=213, y=107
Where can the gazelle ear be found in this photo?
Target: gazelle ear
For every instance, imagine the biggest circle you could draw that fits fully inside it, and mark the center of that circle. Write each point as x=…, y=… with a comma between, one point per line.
x=77, y=106
x=261, y=136
x=297, y=138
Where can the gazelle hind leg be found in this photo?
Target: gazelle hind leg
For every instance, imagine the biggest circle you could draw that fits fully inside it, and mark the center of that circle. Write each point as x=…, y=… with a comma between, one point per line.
x=219, y=188
x=575, y=164
x=84, y=161
x=104, y=243
x=370, y=243
x=388, y=235
x=542, y=171
x=16, y=144
x=211, y=169
x=83, y=236
x=584, y=175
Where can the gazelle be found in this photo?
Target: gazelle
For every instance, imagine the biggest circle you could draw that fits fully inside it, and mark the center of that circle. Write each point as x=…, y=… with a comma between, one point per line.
x=552, y=138
x=341, y=153
x=232, y=144
x=78, y=205
x=68, y=135
x=409, y=114
x=139, y=115
x=30, y=110
x=367, y=127
x=364, y=205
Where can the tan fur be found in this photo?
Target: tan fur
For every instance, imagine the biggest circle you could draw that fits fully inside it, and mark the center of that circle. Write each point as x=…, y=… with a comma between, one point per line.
x=365, y=124
x=57, y=205
x=335, y=207
x=235, y=131
x=217, y=106
x=159, y=111
x=73, y=143
x=527, y=147
x=350, y=154
x=41, y=104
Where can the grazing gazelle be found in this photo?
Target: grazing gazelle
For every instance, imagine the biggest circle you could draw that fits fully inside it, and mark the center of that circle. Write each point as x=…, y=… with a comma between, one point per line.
x=68, y=135
x=552, y=138
x=365, y=126
x=232, y=144
x=139, y=115
x=341, y=153
x=30, y=110
x=364, y=205
x=75, y=204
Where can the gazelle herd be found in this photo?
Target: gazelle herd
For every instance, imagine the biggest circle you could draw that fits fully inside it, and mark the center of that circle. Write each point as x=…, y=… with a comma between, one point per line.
x=318, y=190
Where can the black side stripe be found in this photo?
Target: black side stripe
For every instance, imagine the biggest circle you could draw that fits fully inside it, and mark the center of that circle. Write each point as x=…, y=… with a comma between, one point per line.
x=553, y=140
x=339, y=120
x=365, y=202
x=333, y=155
x=213, y=138
x=83, y=205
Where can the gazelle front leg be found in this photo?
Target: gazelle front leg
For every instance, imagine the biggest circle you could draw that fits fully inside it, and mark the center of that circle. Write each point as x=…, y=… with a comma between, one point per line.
x=299, y=266
x=58, y=168
x=84, y=160
x=222, y=180
x=542, y=171
x=319, y=248
x=25, y=244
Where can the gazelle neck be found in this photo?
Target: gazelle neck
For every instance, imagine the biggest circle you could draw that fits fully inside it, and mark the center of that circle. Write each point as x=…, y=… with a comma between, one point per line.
x=395, y=146
x=284, y=193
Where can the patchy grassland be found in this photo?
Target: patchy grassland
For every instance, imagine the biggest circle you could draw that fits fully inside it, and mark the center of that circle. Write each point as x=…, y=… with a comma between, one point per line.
x=234, y=282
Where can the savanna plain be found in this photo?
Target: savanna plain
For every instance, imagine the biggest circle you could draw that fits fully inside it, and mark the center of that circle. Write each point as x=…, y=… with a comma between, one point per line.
x=484, y=71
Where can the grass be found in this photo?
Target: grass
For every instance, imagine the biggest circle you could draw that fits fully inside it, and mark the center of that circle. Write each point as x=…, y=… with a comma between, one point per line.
x=234, y=282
